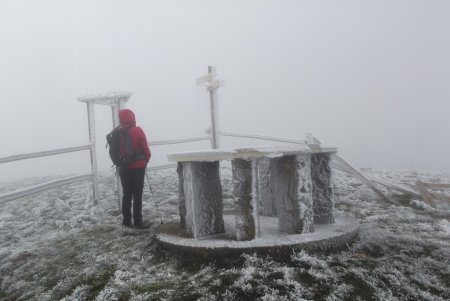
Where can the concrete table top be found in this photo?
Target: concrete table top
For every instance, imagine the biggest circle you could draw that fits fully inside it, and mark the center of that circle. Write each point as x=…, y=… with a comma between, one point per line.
x=248, y=152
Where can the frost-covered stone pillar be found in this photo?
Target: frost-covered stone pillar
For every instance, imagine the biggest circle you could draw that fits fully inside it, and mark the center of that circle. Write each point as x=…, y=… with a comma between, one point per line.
x=266, y=198
x=181, y=195
x=304, y=189
x=323, y=203
x=242, y=178
x=203, y=192
x=291, y=178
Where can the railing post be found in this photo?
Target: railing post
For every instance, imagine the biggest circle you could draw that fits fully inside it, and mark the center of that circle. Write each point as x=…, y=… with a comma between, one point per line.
x=91, y=122
x=115, y=118
x=116, y=101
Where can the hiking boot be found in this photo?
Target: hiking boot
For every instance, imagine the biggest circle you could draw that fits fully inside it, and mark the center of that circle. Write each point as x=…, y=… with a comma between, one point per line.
x=142, y=226
x=126, y=225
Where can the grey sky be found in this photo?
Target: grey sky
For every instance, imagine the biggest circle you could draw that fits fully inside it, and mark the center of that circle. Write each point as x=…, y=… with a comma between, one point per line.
x=371, y=77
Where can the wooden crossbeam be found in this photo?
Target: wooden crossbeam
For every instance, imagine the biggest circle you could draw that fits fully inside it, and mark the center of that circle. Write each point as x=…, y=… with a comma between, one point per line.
x=440, y=196
x=342, y=163
x=426, y=195
x=397, y=187
x=438, y=186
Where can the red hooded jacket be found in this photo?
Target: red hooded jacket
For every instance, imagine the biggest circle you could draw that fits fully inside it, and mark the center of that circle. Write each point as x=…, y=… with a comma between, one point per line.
x=137, y=136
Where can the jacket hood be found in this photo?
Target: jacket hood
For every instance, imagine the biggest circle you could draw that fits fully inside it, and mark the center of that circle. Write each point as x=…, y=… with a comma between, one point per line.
x=127, y=118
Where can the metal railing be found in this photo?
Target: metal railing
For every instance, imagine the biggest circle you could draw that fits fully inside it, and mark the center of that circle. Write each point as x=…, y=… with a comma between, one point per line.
x=5, y=197
x=9, y=196
x=338, y=162
x=44, y=153
x=61, y=182
x=261, y=137
x=177, y=141
x=173, y=141
x=16, y=194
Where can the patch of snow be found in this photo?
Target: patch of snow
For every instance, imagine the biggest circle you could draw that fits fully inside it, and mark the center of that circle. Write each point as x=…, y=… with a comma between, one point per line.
x=56, y=245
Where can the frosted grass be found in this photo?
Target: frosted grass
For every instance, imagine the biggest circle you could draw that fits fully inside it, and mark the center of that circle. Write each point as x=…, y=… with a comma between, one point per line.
x=57, y=246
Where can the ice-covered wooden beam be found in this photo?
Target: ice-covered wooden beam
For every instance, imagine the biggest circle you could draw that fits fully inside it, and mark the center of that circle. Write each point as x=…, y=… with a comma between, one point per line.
x=426, y=195
x=116, y=101
x=110, y=99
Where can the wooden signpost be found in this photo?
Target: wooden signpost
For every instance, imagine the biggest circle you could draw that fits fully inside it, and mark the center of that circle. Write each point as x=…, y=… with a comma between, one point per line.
x=211, y=83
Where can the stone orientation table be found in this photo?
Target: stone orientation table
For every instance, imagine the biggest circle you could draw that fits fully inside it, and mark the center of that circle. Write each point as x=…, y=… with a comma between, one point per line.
x=292, y=183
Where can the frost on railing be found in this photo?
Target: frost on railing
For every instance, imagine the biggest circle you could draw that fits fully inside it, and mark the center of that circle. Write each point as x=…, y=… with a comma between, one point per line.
x=261, y=137
x=178, y=141
x=9, y=196
x=43, y=153
x=111, y=99
x=161, y=167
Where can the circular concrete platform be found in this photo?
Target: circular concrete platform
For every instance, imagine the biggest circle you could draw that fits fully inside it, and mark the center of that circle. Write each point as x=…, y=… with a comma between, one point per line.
x=224, y=248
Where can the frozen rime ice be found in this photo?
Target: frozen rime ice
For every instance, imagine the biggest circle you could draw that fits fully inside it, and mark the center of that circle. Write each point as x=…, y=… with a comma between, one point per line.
x=323, y=204
x=56, y=245
x=267, y=204
x=291, y=175
x=181, y=195
x=242, y=179
x=203, y=193
x=247, y=153
x=292, y=183
x=269, y=236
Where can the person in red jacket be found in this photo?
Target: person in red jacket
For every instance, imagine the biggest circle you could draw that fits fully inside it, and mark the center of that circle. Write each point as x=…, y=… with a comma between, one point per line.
x=132, y=175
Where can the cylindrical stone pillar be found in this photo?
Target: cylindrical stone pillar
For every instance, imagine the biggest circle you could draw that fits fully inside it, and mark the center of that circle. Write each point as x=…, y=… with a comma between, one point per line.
x=323, y=203
x=242, y=178
x=304, y=189
x=291, y=180
x=181, y=195
x=266, y=198
x=203, y=192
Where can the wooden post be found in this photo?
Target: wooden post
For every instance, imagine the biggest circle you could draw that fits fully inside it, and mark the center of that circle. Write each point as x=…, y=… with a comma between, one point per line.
x=359, y=175
x=214, y=109
x=212, y=84
x=91, y=122
x=426, y=195
x=115, y=119
x=116, y=101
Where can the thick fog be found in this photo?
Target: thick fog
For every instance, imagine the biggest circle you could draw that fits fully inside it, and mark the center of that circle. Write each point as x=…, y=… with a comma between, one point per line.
x=370, y=77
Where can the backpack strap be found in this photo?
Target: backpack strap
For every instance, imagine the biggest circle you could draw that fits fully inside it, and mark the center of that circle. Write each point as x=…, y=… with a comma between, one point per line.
x=127, y=141
x=116, y=129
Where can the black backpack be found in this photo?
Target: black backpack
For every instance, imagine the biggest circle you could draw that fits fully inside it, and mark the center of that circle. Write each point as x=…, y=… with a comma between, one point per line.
x=120, y=149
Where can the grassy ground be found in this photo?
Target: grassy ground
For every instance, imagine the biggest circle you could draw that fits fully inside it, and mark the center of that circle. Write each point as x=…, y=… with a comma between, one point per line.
x=57, y=246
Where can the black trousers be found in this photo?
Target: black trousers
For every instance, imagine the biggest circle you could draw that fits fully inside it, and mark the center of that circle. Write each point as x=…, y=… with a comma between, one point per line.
x=133, y=185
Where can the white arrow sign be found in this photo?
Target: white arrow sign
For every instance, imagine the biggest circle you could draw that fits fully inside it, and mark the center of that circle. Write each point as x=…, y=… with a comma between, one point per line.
x=210, y=81
x=212, y=84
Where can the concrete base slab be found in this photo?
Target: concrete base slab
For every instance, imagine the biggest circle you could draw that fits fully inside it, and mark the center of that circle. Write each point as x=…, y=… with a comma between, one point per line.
x=224, y=248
